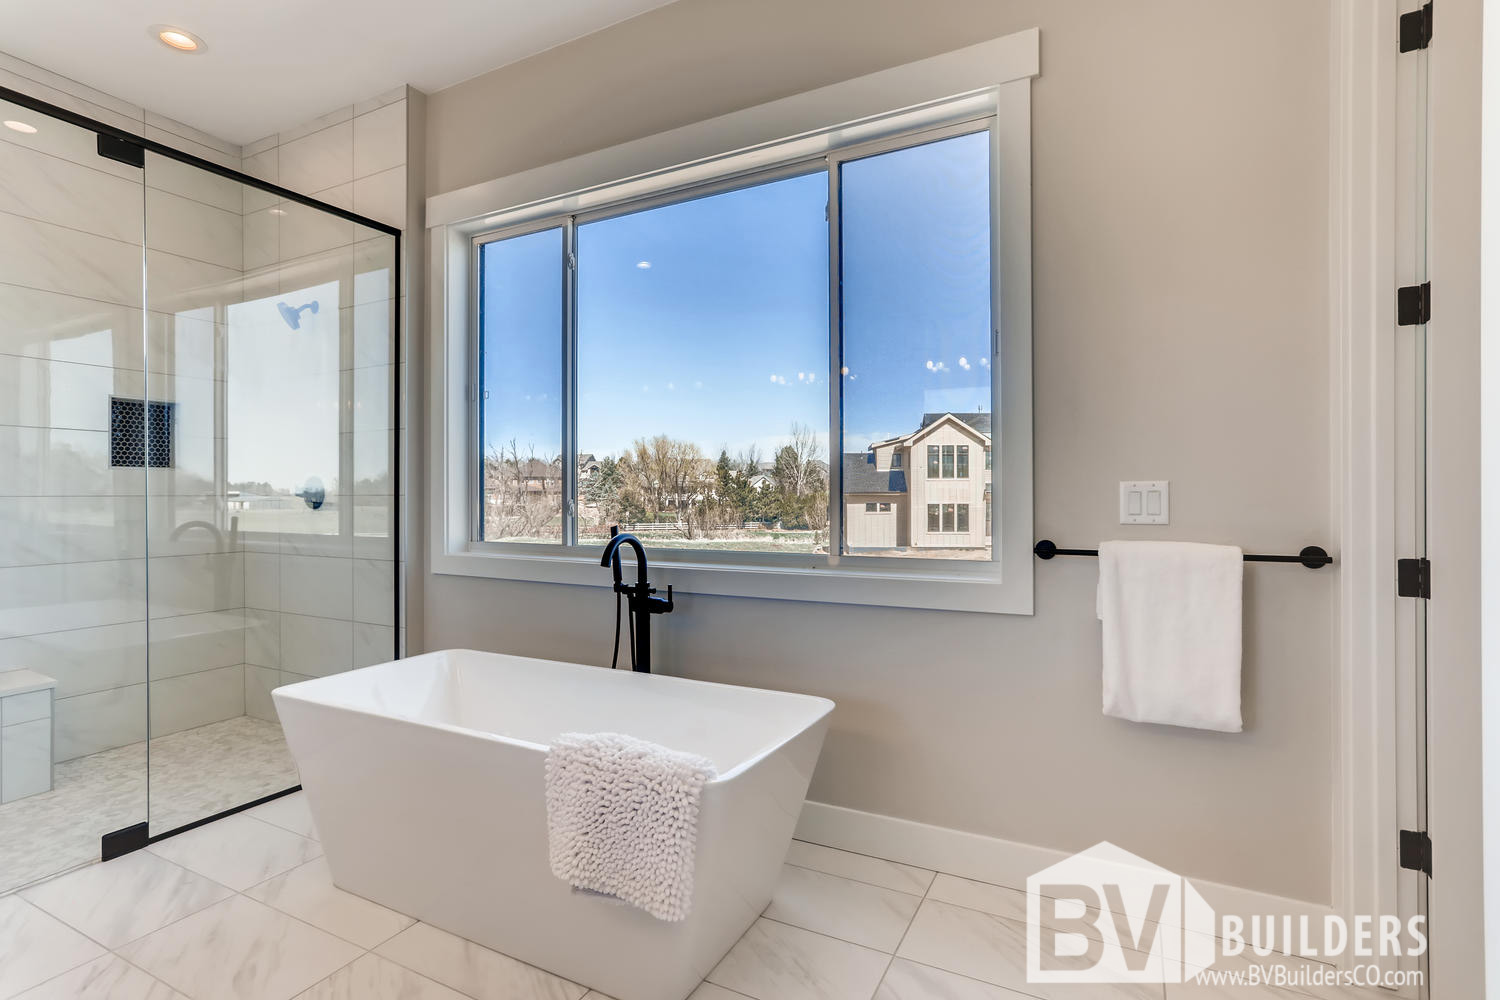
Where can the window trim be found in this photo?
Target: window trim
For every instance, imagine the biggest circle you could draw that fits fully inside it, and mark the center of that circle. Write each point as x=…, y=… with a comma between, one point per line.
x=993, y=82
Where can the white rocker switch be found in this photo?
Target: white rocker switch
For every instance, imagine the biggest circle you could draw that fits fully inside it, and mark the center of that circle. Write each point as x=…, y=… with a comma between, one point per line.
x=1143, y=502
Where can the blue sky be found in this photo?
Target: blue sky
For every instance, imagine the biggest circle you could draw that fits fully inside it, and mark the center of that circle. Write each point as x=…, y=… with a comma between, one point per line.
x=708, y=319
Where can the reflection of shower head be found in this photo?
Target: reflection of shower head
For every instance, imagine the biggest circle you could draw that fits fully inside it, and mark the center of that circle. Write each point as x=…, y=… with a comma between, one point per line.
x=293, y=316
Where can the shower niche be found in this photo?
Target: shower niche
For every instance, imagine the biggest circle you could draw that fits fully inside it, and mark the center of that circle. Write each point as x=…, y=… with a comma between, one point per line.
x=198, y=477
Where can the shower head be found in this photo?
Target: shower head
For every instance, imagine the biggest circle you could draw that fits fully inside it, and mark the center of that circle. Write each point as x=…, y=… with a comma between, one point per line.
x=293, y=315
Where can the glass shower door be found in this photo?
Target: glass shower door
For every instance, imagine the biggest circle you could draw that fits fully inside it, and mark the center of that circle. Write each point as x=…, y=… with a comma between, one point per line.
x=272, y=556
x=73, y=567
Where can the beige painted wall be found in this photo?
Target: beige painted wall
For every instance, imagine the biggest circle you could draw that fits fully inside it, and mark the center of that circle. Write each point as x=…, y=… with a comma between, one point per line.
x=1180, y=248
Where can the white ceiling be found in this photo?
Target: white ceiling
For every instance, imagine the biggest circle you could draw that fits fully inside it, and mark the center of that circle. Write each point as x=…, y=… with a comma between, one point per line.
x=273, y=64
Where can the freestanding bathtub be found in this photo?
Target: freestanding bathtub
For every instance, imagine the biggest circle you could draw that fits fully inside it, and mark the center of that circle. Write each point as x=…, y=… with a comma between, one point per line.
x=425, y=779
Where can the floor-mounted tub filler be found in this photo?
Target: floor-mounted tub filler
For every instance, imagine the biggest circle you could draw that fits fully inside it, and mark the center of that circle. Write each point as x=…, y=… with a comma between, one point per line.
x=426, y=780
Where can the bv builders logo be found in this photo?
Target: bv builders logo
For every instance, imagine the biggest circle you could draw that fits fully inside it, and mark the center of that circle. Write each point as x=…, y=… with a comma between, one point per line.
x=1109, y=916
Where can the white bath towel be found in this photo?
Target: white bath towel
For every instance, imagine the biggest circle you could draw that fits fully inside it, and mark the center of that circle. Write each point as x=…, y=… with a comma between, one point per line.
x=1172, y=632
x=622, y=819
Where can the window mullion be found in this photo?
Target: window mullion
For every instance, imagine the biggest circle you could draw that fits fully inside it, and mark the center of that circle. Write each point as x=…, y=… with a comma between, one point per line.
x=835, y=374
x=570, y=383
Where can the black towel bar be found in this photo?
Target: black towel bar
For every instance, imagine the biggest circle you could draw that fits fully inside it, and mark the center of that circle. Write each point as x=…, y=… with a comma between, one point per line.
x=1312, y=557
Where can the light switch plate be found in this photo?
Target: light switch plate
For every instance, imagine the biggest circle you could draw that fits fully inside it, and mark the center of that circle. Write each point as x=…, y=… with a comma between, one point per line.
x=1143, y=502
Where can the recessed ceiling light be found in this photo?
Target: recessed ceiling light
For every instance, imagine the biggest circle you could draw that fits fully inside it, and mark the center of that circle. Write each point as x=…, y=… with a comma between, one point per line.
x=177, y=38
x=21, y=127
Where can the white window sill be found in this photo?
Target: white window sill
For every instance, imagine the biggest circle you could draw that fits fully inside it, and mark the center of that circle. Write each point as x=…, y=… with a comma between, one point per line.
x=971, y=587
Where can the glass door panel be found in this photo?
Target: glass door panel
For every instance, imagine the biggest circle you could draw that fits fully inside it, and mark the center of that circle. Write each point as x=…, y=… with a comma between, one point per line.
x=73, y=692
x=272, y=372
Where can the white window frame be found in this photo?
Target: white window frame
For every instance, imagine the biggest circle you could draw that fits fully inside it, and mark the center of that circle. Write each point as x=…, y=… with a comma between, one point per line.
x=990, y=81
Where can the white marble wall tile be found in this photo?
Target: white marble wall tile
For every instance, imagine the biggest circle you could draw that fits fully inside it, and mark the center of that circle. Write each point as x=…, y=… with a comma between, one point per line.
x=35, y=599
x=373, y=644
x=374, y=591
x=197, y=699
x=39, y=393
x=71, y=262
x=62, y=463
x=107, y=978
x=260, y=145
x=472, y=969
x=262, y=637
x=264, y=164
x=176, y=128
x=188, y=228
x=57, y=138
x=35, y=946
x=213, y=153
x=180, y=283
x=126, y=898
x=38, y=530
x=262, y=237
x=82, y=660
x=380, y=139
x=263, y=581
x=43, y=324
x=374, y=262
x=319, y=160
x=25, y=759
x=54, y=88
x=317, y=586
x=297, y=274
x=380, y=100
x=316, y=647
x=316, y=124
x=181, y=585
x=383, y=197
x=374, y=455
x=306, y=230
x=240, y=950
x=89, y=723
x=166, y=174
x=372, y=323
x=188, y=343
x=259, y=683
x=49, y=189
x=339, y=196
x=189, y=643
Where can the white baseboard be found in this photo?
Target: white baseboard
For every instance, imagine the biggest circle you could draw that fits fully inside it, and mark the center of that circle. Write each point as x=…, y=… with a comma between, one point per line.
x=1003, y=862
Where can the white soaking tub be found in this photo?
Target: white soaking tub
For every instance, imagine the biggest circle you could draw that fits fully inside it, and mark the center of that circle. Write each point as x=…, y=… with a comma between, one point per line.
x=425, y=779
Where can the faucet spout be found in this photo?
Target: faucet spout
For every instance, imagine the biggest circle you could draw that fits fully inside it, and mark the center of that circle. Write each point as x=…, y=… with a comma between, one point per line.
x=642, y=604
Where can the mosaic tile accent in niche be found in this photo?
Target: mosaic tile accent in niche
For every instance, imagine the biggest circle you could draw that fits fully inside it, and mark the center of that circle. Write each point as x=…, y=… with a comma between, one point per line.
x=140, y=435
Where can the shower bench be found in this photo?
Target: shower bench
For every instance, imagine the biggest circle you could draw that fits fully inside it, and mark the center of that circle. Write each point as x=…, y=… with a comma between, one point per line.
x=26, y=727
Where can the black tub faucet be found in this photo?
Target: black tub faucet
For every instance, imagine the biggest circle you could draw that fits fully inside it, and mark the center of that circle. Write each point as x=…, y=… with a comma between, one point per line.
x=638, y=595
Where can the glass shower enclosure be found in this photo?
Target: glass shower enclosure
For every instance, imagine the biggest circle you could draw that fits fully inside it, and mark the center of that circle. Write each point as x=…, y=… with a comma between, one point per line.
x=198, y=459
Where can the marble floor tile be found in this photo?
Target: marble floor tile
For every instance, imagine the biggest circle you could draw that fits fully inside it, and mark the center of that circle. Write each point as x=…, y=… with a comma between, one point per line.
x=240, y=949
x=776, y=961
x=995, y=900
x=238, y=851
x=126, y=898
x=35, y=946
x=203, y=771
x=371, y=977
x=307, y=892
x=289, y=812
x=989, y=948
x=860, y=867
x=708, y=991
x=842, y=908
x=909, y=981
x=107, y=978
x=473, y=969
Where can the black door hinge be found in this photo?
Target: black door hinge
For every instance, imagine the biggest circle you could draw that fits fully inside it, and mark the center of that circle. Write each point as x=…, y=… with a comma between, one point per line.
x=1414, y=304
x=1413, y=578
x=123, y=841
x=112, y=147
x=1416, y=29
x=1416, y=851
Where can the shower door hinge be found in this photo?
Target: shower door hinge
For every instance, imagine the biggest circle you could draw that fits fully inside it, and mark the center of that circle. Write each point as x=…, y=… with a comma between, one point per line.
x=112, y=147
x=123, y=841
x=1413, y=578
x=1416, y=851
x=1416, y=29
x=1414, y=304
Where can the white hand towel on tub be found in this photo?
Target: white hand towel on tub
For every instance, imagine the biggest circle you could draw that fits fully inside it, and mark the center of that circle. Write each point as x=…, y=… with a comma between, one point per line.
x=1172, y=614
x=622, y=819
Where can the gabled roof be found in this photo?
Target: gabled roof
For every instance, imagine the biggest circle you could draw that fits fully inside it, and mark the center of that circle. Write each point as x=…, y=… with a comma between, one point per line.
x=979, y=423
x=861, y=476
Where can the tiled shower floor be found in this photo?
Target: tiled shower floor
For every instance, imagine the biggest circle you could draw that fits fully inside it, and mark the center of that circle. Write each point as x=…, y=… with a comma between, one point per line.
x=194, y=773
x=243, y=909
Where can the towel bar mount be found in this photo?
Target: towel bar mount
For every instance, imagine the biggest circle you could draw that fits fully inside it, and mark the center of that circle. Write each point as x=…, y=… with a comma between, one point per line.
x=1313, y=557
